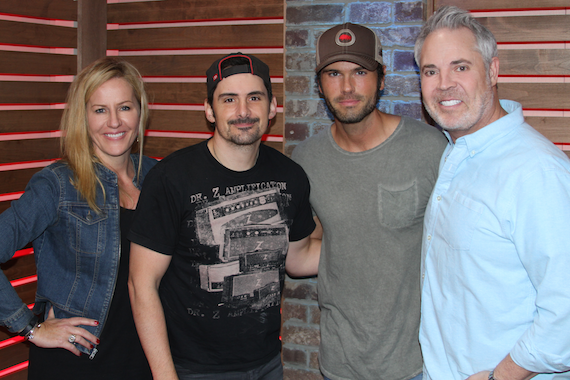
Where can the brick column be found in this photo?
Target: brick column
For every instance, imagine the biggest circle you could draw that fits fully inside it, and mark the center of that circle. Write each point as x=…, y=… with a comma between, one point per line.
x=397, y=22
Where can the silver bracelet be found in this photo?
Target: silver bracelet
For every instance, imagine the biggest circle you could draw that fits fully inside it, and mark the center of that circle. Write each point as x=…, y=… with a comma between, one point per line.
x=492, y=375
x=30, y=334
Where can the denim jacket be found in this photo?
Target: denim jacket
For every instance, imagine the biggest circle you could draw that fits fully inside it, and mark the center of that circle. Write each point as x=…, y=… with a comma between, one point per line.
x=76, y=250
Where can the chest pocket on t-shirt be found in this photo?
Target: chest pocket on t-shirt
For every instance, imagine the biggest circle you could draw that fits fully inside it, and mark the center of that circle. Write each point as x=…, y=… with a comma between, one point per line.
x=397, y=208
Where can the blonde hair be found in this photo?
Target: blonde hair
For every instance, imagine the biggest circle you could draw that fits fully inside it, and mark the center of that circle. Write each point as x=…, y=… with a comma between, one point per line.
x=76, y=143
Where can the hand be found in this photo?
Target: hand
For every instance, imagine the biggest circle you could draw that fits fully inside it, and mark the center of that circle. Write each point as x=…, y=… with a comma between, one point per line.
x=483, y=375
x=55, y=333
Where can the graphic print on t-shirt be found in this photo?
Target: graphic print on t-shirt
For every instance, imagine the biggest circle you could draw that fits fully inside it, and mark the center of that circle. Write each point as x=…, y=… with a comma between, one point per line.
x=252, y=237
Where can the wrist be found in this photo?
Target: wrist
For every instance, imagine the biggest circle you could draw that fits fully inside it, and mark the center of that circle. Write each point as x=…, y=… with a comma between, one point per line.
x=29, y=327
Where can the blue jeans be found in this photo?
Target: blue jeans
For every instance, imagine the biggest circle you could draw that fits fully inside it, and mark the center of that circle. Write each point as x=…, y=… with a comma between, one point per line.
x=273, y=370
x=419, y=377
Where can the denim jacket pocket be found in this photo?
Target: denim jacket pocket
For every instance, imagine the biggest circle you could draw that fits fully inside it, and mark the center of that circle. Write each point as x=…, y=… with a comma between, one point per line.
x=86, y=229
x=398, y=207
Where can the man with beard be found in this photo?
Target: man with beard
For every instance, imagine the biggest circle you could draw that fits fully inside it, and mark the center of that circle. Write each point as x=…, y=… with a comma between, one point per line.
x=215, y=230
x=495, y=250
x=371, y=175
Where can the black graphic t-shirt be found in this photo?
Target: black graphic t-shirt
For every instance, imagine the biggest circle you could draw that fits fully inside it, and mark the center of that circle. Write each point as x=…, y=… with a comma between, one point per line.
x=228, y=234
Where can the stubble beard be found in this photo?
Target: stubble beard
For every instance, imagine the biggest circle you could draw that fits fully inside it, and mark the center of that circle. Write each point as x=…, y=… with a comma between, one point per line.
x=353, y=116
x=467, y=119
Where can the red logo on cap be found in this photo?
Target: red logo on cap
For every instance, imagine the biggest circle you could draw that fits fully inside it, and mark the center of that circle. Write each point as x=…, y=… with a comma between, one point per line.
x=345, y=38
x=215, y=77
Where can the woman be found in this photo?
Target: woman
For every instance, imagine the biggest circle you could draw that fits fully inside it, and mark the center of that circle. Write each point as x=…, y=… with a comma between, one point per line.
x=77, y=212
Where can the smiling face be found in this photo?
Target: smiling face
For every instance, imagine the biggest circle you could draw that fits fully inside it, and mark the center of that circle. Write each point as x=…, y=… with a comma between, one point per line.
x=458, y=90
x=241, y=109
x=113, y=116
x=350, y=91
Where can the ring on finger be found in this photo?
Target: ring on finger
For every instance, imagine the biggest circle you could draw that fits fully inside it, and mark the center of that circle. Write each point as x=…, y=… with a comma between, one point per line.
x=71, y=338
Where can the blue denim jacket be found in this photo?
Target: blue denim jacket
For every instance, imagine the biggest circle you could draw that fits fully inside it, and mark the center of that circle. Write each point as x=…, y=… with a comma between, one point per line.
x=76, y=250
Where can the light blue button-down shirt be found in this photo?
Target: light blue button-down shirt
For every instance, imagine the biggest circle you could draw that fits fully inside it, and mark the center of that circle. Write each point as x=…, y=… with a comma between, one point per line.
x=496, y=254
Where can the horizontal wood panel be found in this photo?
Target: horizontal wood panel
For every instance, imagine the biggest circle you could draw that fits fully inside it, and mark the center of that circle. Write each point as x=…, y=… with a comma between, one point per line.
x=29, y=120
x=192, y=10
x=51, y=9
x=20, y=375
x=197, y=37
x=195, y=121
x=19, y=267
x=556, y=129
x=13, y=355
x=4, y=206
x=163, y=146
x=528, y=28
x=33, y=92
x=534, y=62
x=29, y=150
x=193, y=65
x=537, y=95
x=501, y=4
x=19, y=33
x=15, y=62
x=15, y=180
x=191, y=93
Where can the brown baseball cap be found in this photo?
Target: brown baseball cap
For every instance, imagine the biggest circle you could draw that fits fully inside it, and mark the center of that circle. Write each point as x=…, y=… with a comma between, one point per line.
x=349, y=42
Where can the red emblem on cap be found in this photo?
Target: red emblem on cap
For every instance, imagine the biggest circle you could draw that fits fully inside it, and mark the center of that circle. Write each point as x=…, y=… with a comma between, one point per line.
x=345, y=38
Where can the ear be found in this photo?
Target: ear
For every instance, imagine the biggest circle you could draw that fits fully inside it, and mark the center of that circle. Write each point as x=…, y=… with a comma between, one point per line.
x=494, y=71
x=272, y=108
x=383, y=78
x=209, y=112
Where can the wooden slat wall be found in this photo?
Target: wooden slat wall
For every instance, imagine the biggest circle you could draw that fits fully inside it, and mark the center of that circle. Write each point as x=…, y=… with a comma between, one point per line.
x=34, y=78
x=534, y=54
x=178, y=40
x=172, y=42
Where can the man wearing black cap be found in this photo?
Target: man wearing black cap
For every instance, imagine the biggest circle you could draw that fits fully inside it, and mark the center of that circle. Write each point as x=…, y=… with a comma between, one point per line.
x=371, y=176
x=215, y=230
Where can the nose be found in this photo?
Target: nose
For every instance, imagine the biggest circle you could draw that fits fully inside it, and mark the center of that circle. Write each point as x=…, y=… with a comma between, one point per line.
x=446, y=80
x=347, y=84
x=114, y=120
x=243, y=109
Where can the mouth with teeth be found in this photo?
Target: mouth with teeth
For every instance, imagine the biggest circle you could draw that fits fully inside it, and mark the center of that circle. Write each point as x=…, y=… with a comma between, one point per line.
x=115, y=135
x=448, y=103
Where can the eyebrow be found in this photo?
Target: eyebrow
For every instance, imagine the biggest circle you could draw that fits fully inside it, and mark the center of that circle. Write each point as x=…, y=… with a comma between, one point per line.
x=226, y=94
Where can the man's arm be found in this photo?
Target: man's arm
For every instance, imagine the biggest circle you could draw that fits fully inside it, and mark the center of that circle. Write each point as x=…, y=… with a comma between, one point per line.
x=304, y=255
x=507, y=369
x=147, y=268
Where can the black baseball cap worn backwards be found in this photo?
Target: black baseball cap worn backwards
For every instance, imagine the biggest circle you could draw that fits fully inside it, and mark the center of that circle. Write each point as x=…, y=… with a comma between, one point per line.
x=253, y=65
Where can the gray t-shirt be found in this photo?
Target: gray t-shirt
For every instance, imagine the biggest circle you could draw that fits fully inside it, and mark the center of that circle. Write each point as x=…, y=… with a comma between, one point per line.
x=371, y=205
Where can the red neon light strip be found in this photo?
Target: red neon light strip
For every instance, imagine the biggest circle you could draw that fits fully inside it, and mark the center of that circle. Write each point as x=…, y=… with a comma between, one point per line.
x=25, y=165
x=195, y=51
x=38, y=49
x=11, y=341
x=14, y=369
x=203, y=20
x=532, y=43
x=518, y=9
x=24, y=281
x=23, y=252
x=10, y=196
x=38, y=20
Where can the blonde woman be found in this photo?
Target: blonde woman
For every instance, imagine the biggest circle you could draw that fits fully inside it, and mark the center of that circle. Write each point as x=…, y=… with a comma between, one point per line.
x=77, y=212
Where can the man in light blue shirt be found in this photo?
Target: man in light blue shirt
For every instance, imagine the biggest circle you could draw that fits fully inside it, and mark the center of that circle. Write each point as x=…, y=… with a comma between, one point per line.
x=496, y=243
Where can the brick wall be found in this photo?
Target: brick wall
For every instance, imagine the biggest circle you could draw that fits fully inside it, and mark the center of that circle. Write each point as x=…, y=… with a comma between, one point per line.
x=397, y=23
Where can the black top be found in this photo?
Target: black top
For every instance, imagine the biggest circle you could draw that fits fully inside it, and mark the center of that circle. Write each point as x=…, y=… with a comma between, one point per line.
x=228, y=234
x=120, y=353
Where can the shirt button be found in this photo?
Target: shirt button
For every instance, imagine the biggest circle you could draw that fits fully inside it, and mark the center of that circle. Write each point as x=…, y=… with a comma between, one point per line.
x=429, y=237
x=439, y=198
